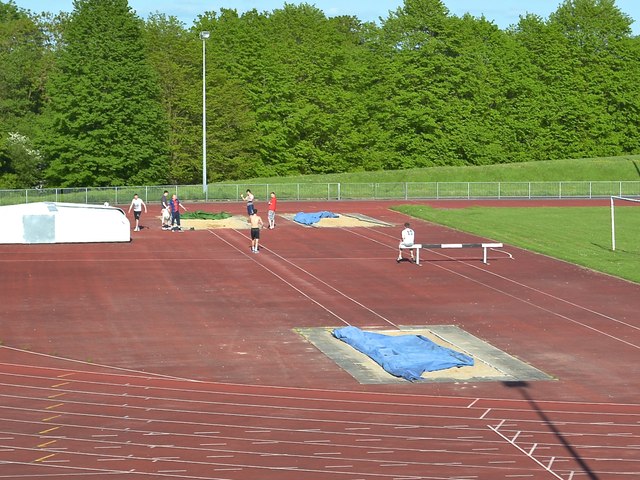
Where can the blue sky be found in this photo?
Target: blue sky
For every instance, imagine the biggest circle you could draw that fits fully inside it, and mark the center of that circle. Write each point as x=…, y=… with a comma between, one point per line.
x=502, y=12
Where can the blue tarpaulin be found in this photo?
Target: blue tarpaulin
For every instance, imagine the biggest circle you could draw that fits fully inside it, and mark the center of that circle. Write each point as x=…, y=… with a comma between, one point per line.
x=311, y=218
x=406, y=356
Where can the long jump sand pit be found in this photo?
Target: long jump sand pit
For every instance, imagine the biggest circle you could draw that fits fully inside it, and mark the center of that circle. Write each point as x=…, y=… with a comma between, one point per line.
x=235, y=221
x=241, y=222
x=491, y=364
x=344, y=220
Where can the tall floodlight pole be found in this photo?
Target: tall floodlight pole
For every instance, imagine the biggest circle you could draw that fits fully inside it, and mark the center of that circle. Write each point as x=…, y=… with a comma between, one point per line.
x=203, y=37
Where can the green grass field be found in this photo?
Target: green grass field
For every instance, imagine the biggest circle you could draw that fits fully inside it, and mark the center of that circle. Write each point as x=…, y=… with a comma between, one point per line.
x=625, y=168
x=580, y=235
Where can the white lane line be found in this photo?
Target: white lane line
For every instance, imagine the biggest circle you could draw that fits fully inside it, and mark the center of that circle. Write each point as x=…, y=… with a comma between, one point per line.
x=282, y=279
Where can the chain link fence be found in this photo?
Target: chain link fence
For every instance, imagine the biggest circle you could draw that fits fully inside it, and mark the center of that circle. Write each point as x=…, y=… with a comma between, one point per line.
x=220, y=192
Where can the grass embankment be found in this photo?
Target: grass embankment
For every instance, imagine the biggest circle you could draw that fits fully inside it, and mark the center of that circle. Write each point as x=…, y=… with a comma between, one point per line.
x=624, y=168
x=580, y=235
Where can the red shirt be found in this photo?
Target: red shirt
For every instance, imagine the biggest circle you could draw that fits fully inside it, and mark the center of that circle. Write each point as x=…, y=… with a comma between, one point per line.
x=272, y=203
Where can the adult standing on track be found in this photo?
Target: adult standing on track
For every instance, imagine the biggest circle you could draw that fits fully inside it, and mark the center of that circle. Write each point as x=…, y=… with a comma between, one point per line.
x=271, y=216
x=165, y=213
x=137, y=205
x=249, y=199
x=256, y=225
x=408, y=239
x=174, y=206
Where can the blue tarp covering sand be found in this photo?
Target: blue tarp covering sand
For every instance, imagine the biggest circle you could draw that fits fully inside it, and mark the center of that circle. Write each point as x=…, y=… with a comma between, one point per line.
x=311, y=218
x=406, y=356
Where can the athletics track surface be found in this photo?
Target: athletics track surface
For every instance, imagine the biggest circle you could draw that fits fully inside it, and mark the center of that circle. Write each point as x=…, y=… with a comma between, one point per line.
x=176, y=356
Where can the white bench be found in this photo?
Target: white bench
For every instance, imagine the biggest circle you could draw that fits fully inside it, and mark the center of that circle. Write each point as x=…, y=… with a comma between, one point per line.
x=484, y=246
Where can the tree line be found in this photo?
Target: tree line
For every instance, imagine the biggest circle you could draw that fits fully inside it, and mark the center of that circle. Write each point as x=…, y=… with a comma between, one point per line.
x=101, y=97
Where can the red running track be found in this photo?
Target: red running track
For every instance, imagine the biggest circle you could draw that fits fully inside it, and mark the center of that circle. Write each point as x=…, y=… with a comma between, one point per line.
x=176, y=356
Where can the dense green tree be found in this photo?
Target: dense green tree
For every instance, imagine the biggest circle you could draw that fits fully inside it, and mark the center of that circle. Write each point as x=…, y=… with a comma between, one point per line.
x=598, y=40
x=24, y=163
x=21, y=57
x=623, y=96
x=292, y=91
x=298, y=71
x=105, y=123
x=174, y=54
x=472, y=62
x=233, y=59
x=301, y=96
x=22, y=70
x=526, y=105
x=422, y=73
x=581, y=56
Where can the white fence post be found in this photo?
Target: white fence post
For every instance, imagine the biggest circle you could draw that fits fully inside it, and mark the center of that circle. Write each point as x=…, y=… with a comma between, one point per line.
x=613, y=227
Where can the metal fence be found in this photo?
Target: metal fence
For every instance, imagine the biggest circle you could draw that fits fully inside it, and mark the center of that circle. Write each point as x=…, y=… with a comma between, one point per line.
x=220, y=192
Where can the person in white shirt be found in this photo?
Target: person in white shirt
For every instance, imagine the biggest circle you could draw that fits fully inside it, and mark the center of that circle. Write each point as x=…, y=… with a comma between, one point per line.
x=408, y=239
x=137, y=205
x=249, y=199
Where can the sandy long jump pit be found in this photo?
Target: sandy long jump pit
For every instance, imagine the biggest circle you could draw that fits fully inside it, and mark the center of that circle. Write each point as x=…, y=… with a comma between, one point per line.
x=490, y=363
x=343, y=220
x=240, y=222
x=236, y=221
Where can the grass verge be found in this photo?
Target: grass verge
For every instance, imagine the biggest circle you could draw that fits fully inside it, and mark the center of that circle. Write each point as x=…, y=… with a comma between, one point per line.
x=623, y=168
x=200, y=215
x=580, y=235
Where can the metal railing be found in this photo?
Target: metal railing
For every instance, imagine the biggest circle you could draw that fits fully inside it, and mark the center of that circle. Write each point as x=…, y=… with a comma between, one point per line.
x=220, y=192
